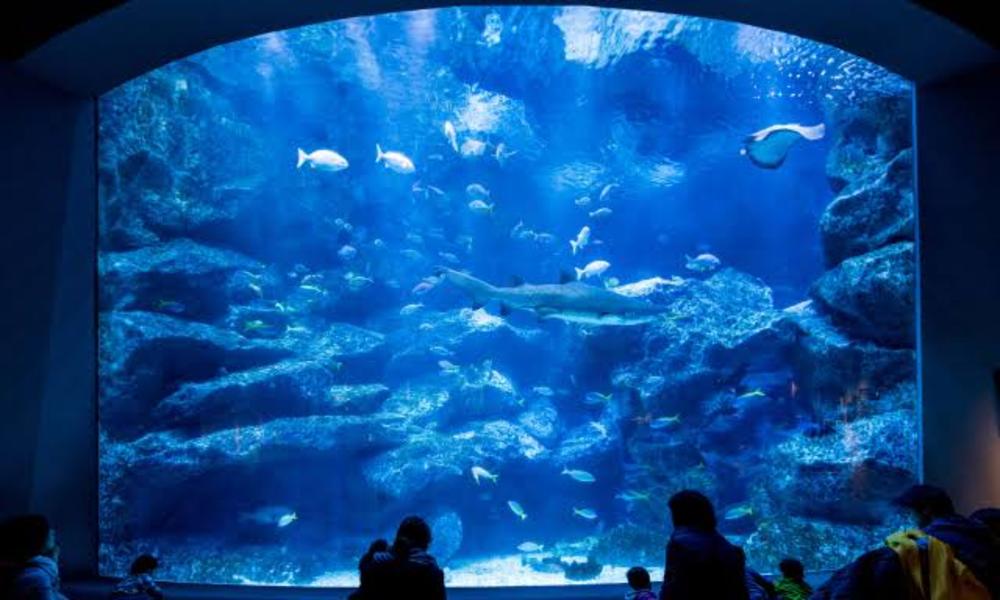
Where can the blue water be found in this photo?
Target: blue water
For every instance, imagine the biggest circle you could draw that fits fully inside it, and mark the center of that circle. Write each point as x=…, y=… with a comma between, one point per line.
x=285, y=373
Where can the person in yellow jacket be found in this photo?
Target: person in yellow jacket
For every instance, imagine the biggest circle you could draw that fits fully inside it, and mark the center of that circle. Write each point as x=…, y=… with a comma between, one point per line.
x=931, y=569
x=970, y=541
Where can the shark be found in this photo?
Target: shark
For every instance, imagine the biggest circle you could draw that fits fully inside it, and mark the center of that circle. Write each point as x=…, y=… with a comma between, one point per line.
x=573, y=302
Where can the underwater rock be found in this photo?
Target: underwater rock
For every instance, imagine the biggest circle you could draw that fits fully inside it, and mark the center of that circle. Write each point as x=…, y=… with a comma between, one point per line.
x=717, y=326
x=582, y=571
x=867, y=136
x=661, y=467
x=258, y=322
x=631, y=542
x=417, y=402
x=871, y=296
x=817, y=543
x=661, y=456
x=447, y=530
x=151, y=158
x=541, y=419
x=830, y=366
x=288, y=388
x=745, y=422
x=873, y=215
x=167, y=459
x=472, y=394
x=356, y=353
x=868, y=460
x=357, y=399
x=179, y=277
x=429, y=458
x=198, y=367
x=486, y=393
x=145, y=356
x=590, y=447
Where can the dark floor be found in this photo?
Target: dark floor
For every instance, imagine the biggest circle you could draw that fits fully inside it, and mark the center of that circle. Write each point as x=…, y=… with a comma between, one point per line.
x=99, y=590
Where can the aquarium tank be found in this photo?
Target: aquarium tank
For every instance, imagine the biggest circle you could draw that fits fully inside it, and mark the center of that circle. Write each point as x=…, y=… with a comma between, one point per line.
x=524, y=271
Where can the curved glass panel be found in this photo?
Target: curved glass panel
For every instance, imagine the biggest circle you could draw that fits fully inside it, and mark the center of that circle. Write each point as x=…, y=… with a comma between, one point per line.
x=524, y=271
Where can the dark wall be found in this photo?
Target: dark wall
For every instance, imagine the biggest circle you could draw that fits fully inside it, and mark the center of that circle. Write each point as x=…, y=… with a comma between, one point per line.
x=47, y=429
x=958, y=145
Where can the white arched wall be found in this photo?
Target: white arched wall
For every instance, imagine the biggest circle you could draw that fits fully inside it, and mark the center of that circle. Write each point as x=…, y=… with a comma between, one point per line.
x=47, y=183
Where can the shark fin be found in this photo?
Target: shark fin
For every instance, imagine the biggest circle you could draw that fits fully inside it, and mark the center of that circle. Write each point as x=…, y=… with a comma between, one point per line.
x=566, y=277
x=504, y=310
x=516, y=281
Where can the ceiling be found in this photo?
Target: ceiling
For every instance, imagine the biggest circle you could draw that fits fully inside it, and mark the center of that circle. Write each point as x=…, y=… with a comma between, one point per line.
x=27, y=25
x=90, y=46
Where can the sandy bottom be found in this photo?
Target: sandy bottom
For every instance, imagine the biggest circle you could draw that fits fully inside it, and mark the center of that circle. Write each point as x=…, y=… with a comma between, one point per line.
x=499, y=571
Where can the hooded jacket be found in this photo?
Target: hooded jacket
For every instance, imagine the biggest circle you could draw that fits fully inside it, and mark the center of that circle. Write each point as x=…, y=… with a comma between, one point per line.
x=36, y=579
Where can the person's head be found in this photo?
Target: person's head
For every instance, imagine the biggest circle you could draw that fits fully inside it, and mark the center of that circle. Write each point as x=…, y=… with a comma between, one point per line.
x=413, y=532
x=379, y=545
x=27, y=536
x=926, y=502
x=989, y=517
x=689, y=508
x=144, y=564
x=638, y=579
x=792, y=569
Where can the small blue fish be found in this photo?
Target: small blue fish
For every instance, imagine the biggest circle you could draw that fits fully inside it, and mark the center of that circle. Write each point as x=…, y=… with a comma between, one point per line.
x=347, y=252
x=664, y=422
x=477, y=191
x=595, y=398
x=738, y=512
x=585, y=513
x=632, y=496
x=606, y=190
x=516, y=508
x=170, y=306
x=578, y=475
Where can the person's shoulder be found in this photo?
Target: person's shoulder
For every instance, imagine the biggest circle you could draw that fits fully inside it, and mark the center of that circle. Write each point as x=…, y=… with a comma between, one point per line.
x=957, y=524
x=682, y=535
x=33, y=577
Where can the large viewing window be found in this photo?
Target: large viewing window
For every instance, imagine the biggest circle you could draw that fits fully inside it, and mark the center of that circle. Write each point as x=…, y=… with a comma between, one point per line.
x=524, y=271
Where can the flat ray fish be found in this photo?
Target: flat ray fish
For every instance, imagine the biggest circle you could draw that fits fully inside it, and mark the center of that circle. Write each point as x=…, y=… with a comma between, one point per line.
x=769, y=147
